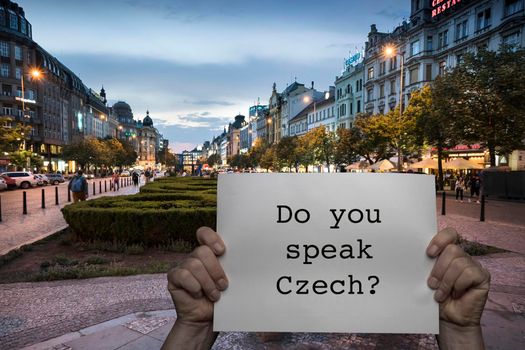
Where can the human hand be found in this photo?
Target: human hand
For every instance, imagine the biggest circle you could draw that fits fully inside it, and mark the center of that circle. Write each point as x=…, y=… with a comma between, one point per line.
x=195, y=286
x=462, y=287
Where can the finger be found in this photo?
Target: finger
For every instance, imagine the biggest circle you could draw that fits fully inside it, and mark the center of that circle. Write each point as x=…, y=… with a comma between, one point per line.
x=212, y=265
x=471, y=276
x=442, y=239
x=183, y=279
x=455, y=269
x=206, y=236
x=200, y=273
x=442, y=263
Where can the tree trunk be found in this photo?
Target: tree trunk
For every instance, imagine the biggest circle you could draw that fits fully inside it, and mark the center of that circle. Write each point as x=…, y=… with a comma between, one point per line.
x=492, y=154
x=440, y=167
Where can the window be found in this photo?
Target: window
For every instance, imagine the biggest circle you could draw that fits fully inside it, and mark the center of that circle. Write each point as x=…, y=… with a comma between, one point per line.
x=414, y=48
x=512, y=40
x=393, y=63
x=2, y=17
x=443, y=39
x=18, y=73
x=460, y=58
x=4, y=49
x=392, y=87
x=351, y=108
x=462, y=30
x=370, y=94
x=428, y=72
x=442, y=67
x=5, y=70
x=382, y=68
x=414, y=75
x=23, y=27
x=370, y=73
x=13, y=22
x=7, y=110
x=483, y=19
x=381, y=90
x=512, y=6
x=358, y=106
x=6, y=90
x=18, y=53
x=430, y=40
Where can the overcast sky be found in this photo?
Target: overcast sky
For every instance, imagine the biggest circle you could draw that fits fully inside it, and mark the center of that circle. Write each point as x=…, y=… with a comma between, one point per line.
x=195, y=64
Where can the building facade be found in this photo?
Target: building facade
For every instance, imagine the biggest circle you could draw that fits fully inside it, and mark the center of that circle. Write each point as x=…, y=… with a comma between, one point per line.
x=349, y=94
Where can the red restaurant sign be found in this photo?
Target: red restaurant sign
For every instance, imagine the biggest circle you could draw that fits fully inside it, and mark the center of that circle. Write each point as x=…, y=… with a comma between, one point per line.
x=441, y=6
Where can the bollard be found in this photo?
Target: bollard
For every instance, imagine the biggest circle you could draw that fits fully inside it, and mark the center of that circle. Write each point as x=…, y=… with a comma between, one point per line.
x=94, y=193
x=443, y=204
x=121, y=182
x=68, y=195
x=56, y=195
x=99, y=187
x=482, y=214
x=105, y=186
x=24, y=203
x=0, y=208
x=43, y=199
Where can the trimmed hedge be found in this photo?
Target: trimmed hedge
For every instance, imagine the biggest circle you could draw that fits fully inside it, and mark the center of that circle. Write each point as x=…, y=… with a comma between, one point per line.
x=166, y=210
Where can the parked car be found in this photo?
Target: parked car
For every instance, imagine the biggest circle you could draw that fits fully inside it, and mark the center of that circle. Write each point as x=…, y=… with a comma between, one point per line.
x=42, y=180
x=55, y=179
x=10, y=182
x=125, y=173
x=3, y=184
x=24, y=179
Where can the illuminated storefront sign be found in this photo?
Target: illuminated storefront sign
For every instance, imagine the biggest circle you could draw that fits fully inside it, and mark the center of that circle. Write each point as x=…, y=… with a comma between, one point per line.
x=441, y=6
x=354, y=60
x=25, y=100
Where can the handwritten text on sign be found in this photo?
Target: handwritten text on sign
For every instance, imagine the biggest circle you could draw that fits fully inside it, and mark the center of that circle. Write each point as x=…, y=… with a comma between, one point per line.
x=326, y=253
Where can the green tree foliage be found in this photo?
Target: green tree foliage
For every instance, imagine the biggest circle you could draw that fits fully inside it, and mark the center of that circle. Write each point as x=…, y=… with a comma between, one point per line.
x=23, y=159
x=240, y=161
x=490, y=108
x=268, y=159
x=322, y=142
x=373, y=136
x=12, y=134
x=287, y=152
x=305, y=152
x=214, y=159
x=346, y=151
x=100, y=153
x=257, y=151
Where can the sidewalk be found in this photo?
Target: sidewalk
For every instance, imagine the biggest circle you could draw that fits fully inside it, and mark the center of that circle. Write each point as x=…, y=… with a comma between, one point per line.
x=74, y=313
x=17, y=229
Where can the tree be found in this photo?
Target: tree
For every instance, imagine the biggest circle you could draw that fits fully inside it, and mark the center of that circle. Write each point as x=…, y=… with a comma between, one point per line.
x=373, y=136
x=214, y=159
x=305, y=152
x=80, y=152
x=267, y=160
x=23, y=159
x=323, y=144
x=431, y=110
x=257, y=151
x=491, y=107
x=345, y=149
x=12, y=134
x=286, y=151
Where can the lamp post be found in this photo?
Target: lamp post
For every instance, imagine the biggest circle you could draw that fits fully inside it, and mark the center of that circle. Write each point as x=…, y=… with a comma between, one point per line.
x=36, y=75
x=390, y=52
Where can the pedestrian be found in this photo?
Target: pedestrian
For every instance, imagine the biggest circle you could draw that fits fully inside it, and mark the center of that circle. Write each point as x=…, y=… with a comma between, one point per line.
x=79, y=187
x=475, y=186
x=135, y=178
x=147, y=175
x=115, y=178
x=460, y=187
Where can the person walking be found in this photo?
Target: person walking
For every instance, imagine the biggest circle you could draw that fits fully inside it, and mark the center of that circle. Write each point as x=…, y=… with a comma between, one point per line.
x=460, y=187
x=135, y=178
x=79, y=187
x=115, y=178
x=474, y=188
x=147, y=175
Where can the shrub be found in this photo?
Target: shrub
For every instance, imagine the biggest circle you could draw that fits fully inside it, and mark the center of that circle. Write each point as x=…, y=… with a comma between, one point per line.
x=96, y=260
x=165, y=211
x=134, y=249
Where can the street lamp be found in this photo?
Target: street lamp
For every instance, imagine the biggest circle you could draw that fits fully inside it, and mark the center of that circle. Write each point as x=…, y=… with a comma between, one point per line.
x=391, y=52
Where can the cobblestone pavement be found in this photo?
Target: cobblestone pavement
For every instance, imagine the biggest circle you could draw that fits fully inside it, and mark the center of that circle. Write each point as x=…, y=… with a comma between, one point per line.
x=17, y=229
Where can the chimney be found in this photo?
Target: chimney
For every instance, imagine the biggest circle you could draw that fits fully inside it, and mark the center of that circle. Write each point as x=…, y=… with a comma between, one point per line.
x=312, y=85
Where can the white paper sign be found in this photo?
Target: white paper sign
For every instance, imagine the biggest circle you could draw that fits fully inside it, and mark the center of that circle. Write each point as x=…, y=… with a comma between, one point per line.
x=327, y=253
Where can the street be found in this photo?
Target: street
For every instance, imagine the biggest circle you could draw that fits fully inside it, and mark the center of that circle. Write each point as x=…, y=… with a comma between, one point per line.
x=18, y=229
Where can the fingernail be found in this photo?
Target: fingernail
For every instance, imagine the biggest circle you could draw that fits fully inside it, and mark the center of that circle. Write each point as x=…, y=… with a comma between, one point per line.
x=222, y=283
x=439, y=295
x=433, y=250
x=218, y=248
x=433, y=282
x=215, y=295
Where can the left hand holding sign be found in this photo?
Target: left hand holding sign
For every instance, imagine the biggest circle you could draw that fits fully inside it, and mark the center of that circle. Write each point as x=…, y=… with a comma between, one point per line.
x=460, y=282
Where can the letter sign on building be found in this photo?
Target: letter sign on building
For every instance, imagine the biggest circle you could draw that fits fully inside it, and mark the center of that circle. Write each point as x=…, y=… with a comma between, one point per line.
x=441, y=6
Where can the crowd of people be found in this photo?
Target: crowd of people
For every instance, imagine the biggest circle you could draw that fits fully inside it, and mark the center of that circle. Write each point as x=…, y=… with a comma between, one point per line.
x=463, y=184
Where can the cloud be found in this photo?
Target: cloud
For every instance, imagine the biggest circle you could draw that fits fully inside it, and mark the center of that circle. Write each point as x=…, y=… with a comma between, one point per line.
x=194, y=120
x=209, y=103
x=179, y=147
x=393, y=13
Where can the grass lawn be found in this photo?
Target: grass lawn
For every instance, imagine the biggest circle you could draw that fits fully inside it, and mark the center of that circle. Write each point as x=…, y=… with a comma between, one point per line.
x=61, y=256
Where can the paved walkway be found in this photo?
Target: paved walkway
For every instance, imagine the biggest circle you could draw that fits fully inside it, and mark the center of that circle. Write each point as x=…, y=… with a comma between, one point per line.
x=17, y=229
x=65, y=308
